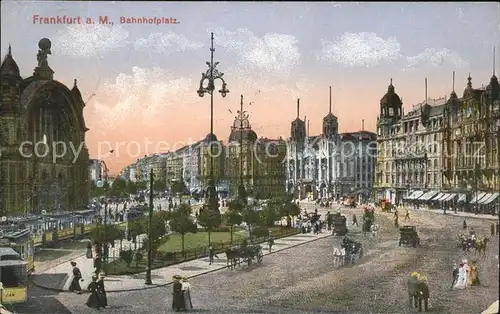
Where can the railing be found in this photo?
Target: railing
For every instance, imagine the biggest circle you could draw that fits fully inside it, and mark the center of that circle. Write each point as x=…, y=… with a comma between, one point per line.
x=116, y=265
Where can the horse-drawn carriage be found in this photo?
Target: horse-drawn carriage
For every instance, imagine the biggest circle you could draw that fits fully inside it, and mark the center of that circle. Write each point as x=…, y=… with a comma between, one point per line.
x=353, y=250
x=386, y=206
x=339, y=225
x=408, y=235
x=248, y=253
x=349, y=202
x=368, y=218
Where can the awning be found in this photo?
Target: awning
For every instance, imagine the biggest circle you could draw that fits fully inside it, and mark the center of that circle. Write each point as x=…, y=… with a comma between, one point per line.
x=462, y=197
x=490, y=199
x=416, y=195
x=445, y=195
x=484, y=198
x=436, y=198
x=477, y=197
x=449, y=197
x=427, y=196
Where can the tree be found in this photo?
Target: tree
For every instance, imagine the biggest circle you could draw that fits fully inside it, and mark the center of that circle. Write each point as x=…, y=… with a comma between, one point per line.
x=233, y=216
x=118, y=187
x=131, y=188
x=252, y=218
x=210, y=218
x=135, y=228
x=106, y=233
x=269, y=215
x=182, y=222
x=160, y=186
x=158, y=232
x=292, y=209
x=178, y=186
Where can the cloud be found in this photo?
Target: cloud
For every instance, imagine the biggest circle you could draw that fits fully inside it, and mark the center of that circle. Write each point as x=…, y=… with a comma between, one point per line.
x=360, y=49
x=436, y=58
x=368, y=49
x=272, y=53
x=166, y=42
x=90, y=40
x=144, y=93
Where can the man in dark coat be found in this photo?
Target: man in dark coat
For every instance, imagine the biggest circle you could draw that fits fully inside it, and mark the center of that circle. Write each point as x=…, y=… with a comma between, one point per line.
x=412, y=293
x=455, y=275
x=178, y=303
x=97, y=264
x=423, y=293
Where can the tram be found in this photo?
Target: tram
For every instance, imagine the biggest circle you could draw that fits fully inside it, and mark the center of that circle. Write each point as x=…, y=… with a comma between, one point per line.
x=13, y=277
x=22, y=242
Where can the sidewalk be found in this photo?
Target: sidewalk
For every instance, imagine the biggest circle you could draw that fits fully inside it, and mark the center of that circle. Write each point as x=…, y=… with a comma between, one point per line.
x=458, y=214
x=493, y=309
x=59, y=277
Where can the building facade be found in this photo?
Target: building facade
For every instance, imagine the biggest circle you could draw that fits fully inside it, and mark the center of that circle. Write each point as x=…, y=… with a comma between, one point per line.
x=36, y=174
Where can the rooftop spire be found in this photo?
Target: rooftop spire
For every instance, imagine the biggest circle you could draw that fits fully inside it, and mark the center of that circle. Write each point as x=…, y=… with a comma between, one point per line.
x=330, y=108
x=298, y=108
x=469, y=81
x=9, y=52
x=494, y=54
x=426, y=90
x=453, y=88
x=74, y=83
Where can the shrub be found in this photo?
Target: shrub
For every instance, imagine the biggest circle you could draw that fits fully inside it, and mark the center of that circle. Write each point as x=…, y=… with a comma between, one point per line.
x=126, y=256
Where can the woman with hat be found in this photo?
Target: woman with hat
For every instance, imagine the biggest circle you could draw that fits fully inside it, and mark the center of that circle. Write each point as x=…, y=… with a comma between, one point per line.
x=412, y=292
x=93, y=300
x=461, y=282
x=186, y=290
x=75, y=282
x=102, y=291
x=178, y=303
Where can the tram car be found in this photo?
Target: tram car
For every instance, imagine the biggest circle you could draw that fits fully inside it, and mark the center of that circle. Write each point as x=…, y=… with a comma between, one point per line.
x=13, y=277
x=22, y=242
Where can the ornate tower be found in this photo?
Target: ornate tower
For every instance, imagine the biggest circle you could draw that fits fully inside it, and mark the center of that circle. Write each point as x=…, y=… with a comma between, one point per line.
x=298, y=129
x=330, y=122
x=390, y=110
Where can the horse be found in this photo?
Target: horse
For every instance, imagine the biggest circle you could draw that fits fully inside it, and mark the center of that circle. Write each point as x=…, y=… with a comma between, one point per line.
x=338, y=257
x=374, y=230
x=233, y=255
x=481, y=245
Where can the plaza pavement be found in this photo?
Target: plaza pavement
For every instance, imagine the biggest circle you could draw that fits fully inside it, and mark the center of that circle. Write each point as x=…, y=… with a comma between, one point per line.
x=59, y=278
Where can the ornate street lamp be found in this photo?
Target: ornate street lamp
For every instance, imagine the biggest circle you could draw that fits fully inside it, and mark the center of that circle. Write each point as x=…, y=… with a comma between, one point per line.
x=242, y=194
x=209, y=77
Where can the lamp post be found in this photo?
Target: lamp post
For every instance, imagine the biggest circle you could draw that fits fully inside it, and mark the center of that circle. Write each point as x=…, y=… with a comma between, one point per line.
x=150, y=224
x=210, y=76
x=103, y=181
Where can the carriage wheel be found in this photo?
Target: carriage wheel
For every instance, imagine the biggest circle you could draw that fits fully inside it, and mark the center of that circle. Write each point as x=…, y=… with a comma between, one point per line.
x=260, y=256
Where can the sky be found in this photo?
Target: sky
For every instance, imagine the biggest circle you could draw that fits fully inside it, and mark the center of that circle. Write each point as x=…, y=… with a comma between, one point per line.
x=139, y=81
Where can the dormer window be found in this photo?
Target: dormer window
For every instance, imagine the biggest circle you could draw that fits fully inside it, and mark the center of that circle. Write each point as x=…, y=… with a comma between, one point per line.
x=391, y=111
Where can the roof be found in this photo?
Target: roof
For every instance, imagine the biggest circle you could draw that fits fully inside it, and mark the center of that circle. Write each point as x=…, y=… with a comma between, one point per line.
x=9, y=65
x=248, y=135
x=8, y=251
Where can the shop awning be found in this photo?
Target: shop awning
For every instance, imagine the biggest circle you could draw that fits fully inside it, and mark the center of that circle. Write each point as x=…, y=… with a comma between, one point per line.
x=427, y=196
x=443, y=196
x=417, y=195
x=462, y=197
x=490, y=199
x=477, y=197
x=437, y=197
x=449, y=197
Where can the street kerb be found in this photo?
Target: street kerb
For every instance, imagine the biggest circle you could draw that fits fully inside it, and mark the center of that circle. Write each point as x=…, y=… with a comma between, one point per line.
x=215, y=269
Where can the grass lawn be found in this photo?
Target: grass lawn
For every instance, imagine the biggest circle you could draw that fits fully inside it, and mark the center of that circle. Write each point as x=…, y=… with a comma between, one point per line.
x=197, y=240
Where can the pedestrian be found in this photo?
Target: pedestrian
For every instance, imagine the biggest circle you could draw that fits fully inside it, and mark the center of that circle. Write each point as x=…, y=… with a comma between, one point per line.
x=454, y=275
x=407, y=216
x=270, y=243
x=89, y=250
x=465, y=224
x=97, y=264
x=497, y=228
x=102, y=291
x=75, y=282
x=178, y=303
x=186, y=293
x=93, y=300
x=492, y=229
x=211, y=254
x=396, y=223
x=354, y=220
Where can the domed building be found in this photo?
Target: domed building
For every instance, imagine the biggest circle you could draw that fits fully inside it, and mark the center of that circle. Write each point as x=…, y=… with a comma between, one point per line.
x=44, y=163
x=255, y=163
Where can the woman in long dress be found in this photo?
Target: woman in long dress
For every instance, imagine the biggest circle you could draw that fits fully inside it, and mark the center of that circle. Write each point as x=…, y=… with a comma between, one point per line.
x=186, y=290
x=75, y=282
x=102, y=291
x=466, y=267
x=178, y=298
x=461, y=282
x=474, y=274
x=93, y=300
